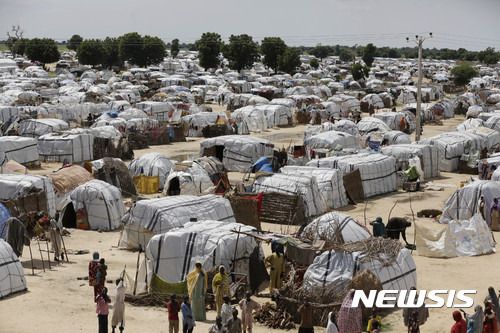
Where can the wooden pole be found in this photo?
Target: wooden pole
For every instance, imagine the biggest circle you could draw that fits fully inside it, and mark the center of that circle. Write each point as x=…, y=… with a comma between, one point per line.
x=41, y=256
x=137, y=268
x=64, y=245
x=48, y=252
x=32, y=264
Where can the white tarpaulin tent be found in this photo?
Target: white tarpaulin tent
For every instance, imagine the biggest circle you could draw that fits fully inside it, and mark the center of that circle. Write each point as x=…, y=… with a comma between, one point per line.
x=7, y=112
x=396, y=137
x=312, y=130
x=331, y=140
x=255, y=119
x=102, y=203
x=11, y=271
x=462, y=204
x=154, y=216
x=458, y=238
x=237, y=152
x=391, y=119
x=330, y=225
x=15, y=185
x=346, y=126
x=452, y=146
x=196, y=122
x=191, y=179
x=172, y=255
x=370, y=124
x=378, y=172
x=330, y=183
x=73, y=148
x=428, y=155
x=469, y=124
x=333, y=270
x=22, y=150
x=277, y=115
x=151, y=164
x=38, y=127
x=305, y=185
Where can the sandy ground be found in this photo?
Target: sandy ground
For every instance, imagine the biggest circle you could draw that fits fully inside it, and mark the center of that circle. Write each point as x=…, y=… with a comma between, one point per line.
x=57, y=301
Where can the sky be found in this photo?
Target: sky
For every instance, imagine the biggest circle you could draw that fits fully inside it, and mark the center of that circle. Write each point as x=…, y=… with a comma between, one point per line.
x=473, y=25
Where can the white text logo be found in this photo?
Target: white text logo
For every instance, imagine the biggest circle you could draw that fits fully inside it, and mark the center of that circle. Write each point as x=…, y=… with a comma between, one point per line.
x=414, y=299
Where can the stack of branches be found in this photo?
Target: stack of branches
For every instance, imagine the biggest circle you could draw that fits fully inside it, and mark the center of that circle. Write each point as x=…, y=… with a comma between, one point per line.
x=149, y=299
x=332, y=235
x=381, y=249
x=274, y=317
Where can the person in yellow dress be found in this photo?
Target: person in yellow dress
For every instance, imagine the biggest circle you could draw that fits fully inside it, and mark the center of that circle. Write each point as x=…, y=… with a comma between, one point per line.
x=276, y=263
x=220, y=287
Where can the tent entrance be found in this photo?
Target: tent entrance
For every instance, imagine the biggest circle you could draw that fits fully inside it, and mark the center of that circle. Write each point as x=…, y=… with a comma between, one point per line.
x=174, y=187
x=219, y=152
x=69, y=216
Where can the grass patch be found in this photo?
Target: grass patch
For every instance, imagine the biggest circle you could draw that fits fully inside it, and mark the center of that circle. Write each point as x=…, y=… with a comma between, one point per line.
x=3, y=47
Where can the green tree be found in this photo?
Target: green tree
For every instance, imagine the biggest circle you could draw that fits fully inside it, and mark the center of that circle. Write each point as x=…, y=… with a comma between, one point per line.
x=359, y=71
x=130, y=48
x=14, y=35
x=241, y=52
x=20, y=46
x=209, y=47
x=488, y=56
x=111, y=52
x=346, y=55
x=369, y=54
x=43, y=50
x=462, y=74
x=153, y=51
x=290, y=60
x=74, y=42
x=272, y=48
x=174, y=48
x=320, y=52
x=314, y=63
x=90, y=52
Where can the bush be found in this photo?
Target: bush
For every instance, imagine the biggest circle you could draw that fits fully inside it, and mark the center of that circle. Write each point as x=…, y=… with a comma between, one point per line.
x=462, y=74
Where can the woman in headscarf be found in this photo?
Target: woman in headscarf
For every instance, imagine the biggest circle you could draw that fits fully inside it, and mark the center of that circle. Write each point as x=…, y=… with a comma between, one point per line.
x=460, y=325
x=477, y=317
x=276, y=264
x=93, y=268
x=220, y=287
x=492, y=297
x=197, y=290
x=489, y=305
x=489, y=321
x=495, y=215
x=350, y=319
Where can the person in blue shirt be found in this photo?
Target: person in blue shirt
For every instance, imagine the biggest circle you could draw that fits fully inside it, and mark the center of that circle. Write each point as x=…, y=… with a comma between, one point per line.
x=187, y=316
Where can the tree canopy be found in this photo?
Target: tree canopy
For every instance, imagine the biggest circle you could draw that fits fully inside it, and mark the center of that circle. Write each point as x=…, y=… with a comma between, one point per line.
x=462, y=74
x=74, y=42
x=141, y=51
x=209, y=47
x=488, y=56
x=314, y=63
x=369, y=54
x=130, y=47
x=290, y=60
x=241, y=52
x=359, y=71
x=346, y=55
x=43, y=50
x=111, y=55
x=14, y=35
x=174, y=48
x=272, y=48
x=90, y=52
x=153, y=51
x=320, y=52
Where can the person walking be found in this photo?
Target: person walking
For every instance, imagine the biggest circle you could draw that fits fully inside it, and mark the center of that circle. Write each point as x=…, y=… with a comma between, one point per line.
x=173, y=308
x=187, y=316
x=247, y=306
x=197, y=281
x=93, y=267
x=118, y=317
x=102, y=310
x=220, y=287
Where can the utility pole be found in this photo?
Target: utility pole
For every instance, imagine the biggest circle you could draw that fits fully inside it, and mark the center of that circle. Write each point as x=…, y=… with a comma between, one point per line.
x=420, y=41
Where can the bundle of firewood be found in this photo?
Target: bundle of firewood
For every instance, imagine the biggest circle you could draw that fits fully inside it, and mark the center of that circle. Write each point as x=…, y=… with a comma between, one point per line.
x=273, y=317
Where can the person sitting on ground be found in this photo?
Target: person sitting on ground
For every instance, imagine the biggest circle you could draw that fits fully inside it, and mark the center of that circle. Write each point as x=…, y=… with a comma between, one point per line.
x=234, y=323
x=378, y=227
x=227, y=310
x=396, y=227
x=372, y=320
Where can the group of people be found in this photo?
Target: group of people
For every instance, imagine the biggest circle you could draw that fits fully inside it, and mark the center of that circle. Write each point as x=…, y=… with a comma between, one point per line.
x=481, y=321
x=396, y=227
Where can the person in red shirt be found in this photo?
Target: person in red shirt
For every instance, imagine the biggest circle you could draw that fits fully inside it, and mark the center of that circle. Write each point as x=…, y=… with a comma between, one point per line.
x=460, y=325
x=102, y=310
x=173, y=308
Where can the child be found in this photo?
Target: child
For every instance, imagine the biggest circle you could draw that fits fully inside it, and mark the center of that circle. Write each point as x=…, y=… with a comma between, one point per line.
x=102, y=310
x=375, y=326
x=226, y=310
x=413, y=325
x=102, y=271
x=373, y=319
x=234, y=324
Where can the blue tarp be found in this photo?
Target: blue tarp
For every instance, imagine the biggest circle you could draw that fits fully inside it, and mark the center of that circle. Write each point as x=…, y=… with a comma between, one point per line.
x=111, y=113
x=4, y=216
x=263, y=165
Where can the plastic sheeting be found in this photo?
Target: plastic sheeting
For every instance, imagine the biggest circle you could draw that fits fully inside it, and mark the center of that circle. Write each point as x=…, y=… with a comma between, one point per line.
x=326, y=227
x=346, y=126
x=254, y=118
x=172, y=255
x=459, y=238
x=462, y=204
x=193, y=180
x=370, y=124
x=397, y=137
x=154, y=216
x=11, y=271
x=38, y=127
x=196, y=122
x=330, y=183
x=428, y=155
x=150, y=165
x=333, y=270
x=332, y=140
x=239, y=152
x=305, y=185
x=378, y=172
x=393, y=119
x=74, y=148
x=22, y=150
x=469, y=124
